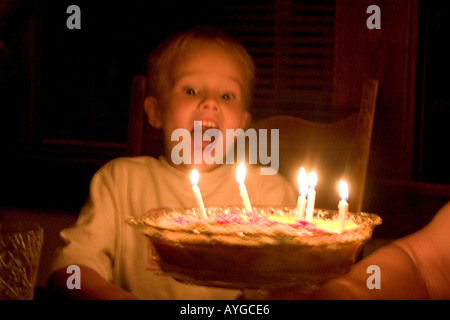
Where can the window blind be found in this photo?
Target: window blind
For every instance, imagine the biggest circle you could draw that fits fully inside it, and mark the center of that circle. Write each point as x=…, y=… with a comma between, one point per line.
x=292, y=43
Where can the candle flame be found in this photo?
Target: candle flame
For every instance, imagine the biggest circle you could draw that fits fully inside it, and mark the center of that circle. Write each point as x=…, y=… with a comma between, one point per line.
x=302, y=181
x=343, y=190
x=194, y=176
x=240, y=173
x=312, y=179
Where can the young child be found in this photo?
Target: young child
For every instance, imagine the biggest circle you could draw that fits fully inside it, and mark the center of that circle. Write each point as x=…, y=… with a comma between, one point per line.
x=198, y=75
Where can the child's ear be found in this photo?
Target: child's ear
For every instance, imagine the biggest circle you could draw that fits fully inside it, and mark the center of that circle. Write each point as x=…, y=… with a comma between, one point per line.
x=153, y=112
x=246, y=120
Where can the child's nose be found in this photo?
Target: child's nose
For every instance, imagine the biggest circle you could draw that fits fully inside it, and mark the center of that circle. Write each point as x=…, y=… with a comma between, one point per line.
x=209, y=103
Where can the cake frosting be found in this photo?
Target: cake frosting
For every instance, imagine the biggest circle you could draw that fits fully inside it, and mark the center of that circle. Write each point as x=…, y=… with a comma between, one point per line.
x=233, y=225
x=257, y=222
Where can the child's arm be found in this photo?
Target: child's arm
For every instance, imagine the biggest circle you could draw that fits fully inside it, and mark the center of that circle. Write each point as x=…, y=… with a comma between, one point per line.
x=93, y=286
x=414, y=267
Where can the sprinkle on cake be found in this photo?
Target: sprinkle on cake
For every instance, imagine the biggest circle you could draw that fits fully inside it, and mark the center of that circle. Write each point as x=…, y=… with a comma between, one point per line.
x=233, y=221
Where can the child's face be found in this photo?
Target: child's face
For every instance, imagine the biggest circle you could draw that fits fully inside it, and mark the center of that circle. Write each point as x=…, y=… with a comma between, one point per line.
x=206, y=84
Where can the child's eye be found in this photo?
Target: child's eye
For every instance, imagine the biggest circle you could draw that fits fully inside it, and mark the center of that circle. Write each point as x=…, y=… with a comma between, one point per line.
x=191, y=91
x=227, y=96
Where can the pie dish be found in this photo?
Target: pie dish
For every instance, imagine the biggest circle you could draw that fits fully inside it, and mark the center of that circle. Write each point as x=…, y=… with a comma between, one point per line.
x=267, y=248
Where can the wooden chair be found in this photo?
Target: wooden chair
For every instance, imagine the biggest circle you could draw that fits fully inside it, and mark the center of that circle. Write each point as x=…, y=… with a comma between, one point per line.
x=143, y=139
x=335, y=150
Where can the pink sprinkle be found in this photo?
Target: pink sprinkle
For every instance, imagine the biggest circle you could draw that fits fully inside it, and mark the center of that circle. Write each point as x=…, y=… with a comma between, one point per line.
x=307, y=226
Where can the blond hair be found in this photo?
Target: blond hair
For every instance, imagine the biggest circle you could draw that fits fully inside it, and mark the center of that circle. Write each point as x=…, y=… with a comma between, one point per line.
x=165, y=55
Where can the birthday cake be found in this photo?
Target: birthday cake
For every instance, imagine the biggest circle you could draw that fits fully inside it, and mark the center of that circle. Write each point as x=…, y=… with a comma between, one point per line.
x=266, y=248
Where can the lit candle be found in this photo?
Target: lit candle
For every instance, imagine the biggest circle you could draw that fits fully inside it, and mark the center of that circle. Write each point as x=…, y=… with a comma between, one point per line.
x=197, y=194
x=343, y=205
x=240, y=177
x=311, y=196
x=303, y=190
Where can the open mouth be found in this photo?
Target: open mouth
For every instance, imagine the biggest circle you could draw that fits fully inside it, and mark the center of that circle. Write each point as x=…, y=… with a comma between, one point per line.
x=200, y=134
